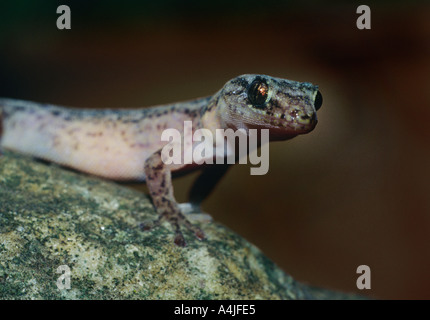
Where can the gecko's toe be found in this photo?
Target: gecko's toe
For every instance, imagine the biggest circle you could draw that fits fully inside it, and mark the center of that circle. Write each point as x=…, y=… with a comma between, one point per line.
x=149, y=224
x=179, y=240
x=200, y=234
x=193, y=228
x=176, y=222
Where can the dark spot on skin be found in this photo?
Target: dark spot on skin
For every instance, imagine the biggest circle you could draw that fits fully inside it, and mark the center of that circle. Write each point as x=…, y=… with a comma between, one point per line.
x=274, y=104
x=230, y=93
x=283, y=116
x=159, y=167
x=18, y=108
x=212, y=105
x=131, y=121
x=240, y=81
x=55, y=113
x=289, y=96
x=94, y=134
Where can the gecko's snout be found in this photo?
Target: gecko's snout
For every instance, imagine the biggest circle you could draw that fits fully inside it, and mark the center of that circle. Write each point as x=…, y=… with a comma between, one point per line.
x=312, y=117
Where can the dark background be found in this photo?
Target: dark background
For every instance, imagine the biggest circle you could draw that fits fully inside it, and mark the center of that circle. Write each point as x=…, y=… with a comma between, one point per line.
x=355, y=191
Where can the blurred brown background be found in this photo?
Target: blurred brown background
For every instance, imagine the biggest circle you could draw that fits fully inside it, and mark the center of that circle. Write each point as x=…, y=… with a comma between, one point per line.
x=355, y=191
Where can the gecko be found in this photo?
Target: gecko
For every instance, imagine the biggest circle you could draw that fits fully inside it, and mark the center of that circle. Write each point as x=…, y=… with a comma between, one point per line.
x=125, y=144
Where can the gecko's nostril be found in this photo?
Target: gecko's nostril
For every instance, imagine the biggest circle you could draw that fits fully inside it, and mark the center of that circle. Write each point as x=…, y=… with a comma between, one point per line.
x=294, y=113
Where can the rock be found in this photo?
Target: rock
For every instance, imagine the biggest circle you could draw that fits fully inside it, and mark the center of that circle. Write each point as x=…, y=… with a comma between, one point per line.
x=52, y=217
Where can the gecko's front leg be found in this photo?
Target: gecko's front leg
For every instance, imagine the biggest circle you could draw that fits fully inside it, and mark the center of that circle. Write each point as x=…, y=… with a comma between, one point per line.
x=159, y=182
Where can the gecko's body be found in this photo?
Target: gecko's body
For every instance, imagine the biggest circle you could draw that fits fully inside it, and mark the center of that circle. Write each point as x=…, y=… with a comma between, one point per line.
x=126, y=144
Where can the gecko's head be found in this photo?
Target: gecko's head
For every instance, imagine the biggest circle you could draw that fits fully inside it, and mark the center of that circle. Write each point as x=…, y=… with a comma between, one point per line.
x=287, y=108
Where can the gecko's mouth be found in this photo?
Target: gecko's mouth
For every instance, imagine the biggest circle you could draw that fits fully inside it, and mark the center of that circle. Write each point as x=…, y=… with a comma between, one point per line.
x=289, y=126
x=297, y=119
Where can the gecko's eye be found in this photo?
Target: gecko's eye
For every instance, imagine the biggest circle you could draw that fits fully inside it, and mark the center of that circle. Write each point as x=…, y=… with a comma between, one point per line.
x=258, y=91
x=318, y=101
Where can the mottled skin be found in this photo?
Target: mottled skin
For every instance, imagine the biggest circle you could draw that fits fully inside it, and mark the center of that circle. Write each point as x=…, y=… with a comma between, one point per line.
x=125, y=144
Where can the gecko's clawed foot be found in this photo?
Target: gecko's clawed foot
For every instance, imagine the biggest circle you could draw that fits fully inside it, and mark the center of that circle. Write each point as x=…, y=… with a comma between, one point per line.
x=180, y=240
x=179, y=237
x=176, y=221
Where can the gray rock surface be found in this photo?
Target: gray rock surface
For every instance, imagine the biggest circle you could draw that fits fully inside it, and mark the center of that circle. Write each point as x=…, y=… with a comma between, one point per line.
x=51, y=217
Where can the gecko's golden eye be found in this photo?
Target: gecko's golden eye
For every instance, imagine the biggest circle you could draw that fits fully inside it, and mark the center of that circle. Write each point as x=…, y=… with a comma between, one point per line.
x=258, y=92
